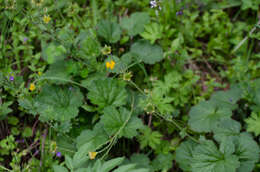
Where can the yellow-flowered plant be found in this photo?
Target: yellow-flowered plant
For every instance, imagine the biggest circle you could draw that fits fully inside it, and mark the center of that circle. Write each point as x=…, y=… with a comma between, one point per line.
x=46, y=19
x=32, y=87
x=92, y=155
x=110, y=65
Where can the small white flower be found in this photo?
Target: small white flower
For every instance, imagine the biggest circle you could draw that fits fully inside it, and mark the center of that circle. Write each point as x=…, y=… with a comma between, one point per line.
x=153, y=3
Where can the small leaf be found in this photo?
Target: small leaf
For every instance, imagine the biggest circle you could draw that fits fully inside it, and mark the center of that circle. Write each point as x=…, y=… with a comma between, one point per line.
x=163, y=162
x=253, y=123
x=27, y=132
x=152, y=32
x=146, y=52
x=109, y=30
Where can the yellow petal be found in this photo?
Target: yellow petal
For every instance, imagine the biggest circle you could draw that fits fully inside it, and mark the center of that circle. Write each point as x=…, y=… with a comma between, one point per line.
x=112, y=64
x=46, y=19
x=92, y=155
x=32, y=87
x=107, y=65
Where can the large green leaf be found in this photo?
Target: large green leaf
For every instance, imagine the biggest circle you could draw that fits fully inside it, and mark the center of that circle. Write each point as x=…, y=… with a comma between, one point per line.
x=227, y=129
x=207, y=158
x=184, y=154
x=248, y=152
x=115, y=121
x=147, y=52
x=163, y=162
x=109, y=30
x=58, y=103
x=228, y=98
x=135, y=23
x=106, y=92
x=205, y=115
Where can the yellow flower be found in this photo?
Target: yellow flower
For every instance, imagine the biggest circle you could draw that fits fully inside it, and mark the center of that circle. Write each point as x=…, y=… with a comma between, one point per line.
x=32, y=87
x=39, y=73
x=92, y=155
x=46, y=19
x=110, y=64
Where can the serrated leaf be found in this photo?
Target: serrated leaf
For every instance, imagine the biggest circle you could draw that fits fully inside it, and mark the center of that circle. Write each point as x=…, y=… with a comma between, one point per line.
x=163, y=162
x=205, y=115
x=53, y=52
x=106, y=92
x=184, y=154
x=58, y=103
x=207, y=158
x=113, y=120
x=228, y=98
x=135, y=23
x=146, y=52
x=149, y=138
x=152, y=32
x=89, y=47
x=141, y=160
x=96, y=137
x=253, y=123
x=248, y=152
x=109, y=30
x=226, y=129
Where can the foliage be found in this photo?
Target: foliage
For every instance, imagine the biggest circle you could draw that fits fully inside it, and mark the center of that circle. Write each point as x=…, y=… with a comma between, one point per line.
x=171, y=85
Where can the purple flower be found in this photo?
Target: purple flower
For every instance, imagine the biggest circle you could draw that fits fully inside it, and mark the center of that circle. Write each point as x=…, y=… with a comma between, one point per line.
x=230, y=100
x=25, y=39
x=20, y=141
x=178, y=13
x=58, y=154
x=11, y=78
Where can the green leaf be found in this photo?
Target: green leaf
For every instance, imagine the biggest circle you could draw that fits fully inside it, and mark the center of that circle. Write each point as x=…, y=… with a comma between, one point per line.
x=12, y=120
x=207, y=158
x=135, y=23
x=68, y=162
x=153, y=32
x=122, y=120
x=27, y=132
x=106, y=92
x=109, y=30
x=141, y=160
x=4, y=109
x=28, y=103
x=184, y=154
x=53, y=52
x=205, y=115
x=109, y=165
x=228, y=98
x=58, y=168
x=58, y=103
x=146, y=52
x=96, y=137
x=88, y=45
x=163, y=162
x=149, y=138
x=227, y=129
x=253, y=123
x=248, y=152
